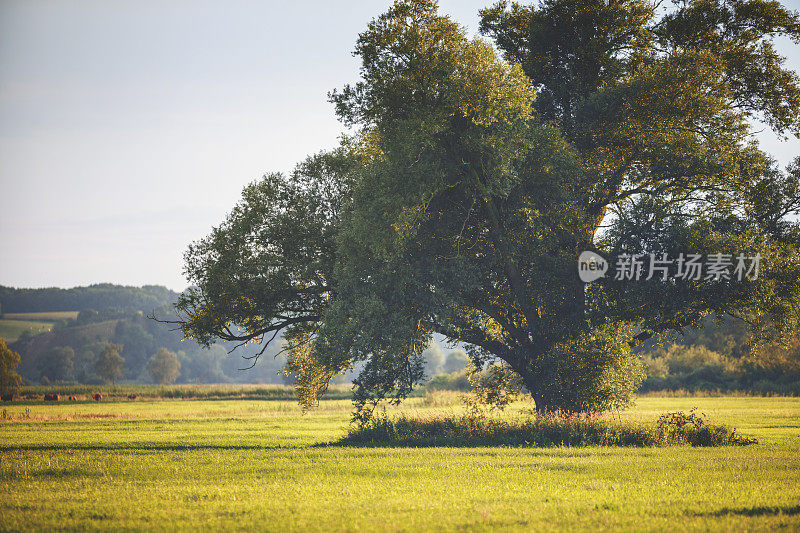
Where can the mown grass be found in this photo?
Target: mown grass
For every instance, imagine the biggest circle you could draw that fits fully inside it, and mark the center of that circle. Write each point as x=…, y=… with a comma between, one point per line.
x=11, y=330
x=256, y=465
x=49, y=316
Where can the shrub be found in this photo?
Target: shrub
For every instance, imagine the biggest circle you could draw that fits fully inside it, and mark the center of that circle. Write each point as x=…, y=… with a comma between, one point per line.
x=457, y=381
x=687, y=359
x=693, y=429
x=655, y=367
x=552, y=429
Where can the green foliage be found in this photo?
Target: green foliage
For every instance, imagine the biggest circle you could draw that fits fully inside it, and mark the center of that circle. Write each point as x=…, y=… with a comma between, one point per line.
x=683, y=359
x=473, y=181
x=495, y=386
x=58, y=364
x=10, y=381
x=204, y=366
x=458, y=381
x=164, y=367
x=269, y=266
x=137, y=345
x=139, y=338
x=695, y=430
x=765, y=368
x=110, y=363
x=98, y=296
x=729, y=336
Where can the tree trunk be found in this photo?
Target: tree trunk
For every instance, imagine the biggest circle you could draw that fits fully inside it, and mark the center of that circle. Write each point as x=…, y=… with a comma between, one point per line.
x=533, y=383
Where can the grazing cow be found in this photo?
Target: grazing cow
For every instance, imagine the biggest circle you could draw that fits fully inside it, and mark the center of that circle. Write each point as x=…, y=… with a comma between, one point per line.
x=73, y=398
x=131, y=396
x=51, y=397
x=9, y=397
x=97, y=397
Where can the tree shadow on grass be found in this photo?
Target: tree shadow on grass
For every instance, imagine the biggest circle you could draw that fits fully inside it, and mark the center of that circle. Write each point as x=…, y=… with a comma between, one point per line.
x=69, y=472
x=785, y=510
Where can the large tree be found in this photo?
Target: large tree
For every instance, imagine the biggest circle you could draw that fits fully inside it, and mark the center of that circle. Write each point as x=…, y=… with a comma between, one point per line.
x=474, y=181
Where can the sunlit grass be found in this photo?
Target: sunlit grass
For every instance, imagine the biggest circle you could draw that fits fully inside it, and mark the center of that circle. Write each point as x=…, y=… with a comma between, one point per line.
x=262, y=465
x=49, y=316
x=11, y=330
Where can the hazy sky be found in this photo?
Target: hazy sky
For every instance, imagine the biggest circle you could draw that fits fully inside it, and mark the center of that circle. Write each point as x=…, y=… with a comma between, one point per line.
x=128, y=129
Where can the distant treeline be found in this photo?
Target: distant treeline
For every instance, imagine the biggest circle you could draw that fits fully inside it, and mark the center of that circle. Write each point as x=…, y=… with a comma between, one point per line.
x=99, y=296
x=69, y=353
x=722, y=357
x=717, y=357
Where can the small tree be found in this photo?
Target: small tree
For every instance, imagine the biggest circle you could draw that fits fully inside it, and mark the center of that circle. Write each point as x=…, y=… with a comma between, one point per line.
x=164, y=367
x=110, y=363
x=10, y=381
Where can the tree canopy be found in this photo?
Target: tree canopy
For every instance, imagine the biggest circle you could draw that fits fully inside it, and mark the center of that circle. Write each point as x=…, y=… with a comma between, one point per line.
x=475, y=178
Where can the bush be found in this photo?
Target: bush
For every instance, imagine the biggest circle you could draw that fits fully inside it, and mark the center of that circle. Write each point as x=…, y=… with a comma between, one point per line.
x=687, y=359
x=554, y=429
x=691, y=428
x=457, y=381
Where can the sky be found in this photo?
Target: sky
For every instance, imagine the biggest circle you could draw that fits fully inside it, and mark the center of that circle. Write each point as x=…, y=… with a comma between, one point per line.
x=129, y=128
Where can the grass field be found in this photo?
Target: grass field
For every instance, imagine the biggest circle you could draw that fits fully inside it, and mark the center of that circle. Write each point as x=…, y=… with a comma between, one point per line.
x=184, y=391
x=12, y=325
x=11, y=330
x=261, y=465
x=50, y=316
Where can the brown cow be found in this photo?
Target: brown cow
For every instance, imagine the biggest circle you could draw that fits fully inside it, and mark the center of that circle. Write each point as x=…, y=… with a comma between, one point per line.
x=51, y=397
x=9, y=397
x=97, y=397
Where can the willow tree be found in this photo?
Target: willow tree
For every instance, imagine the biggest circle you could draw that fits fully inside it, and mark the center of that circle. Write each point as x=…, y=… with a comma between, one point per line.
x=474, y=181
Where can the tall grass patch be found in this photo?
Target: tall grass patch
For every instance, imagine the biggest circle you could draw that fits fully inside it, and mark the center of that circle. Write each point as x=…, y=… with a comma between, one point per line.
x=555, y=429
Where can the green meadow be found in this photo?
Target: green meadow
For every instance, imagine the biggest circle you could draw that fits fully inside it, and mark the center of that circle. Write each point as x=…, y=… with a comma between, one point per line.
x=13, y=325
x=263, y=465
x=48, y=316
x=11, y=330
